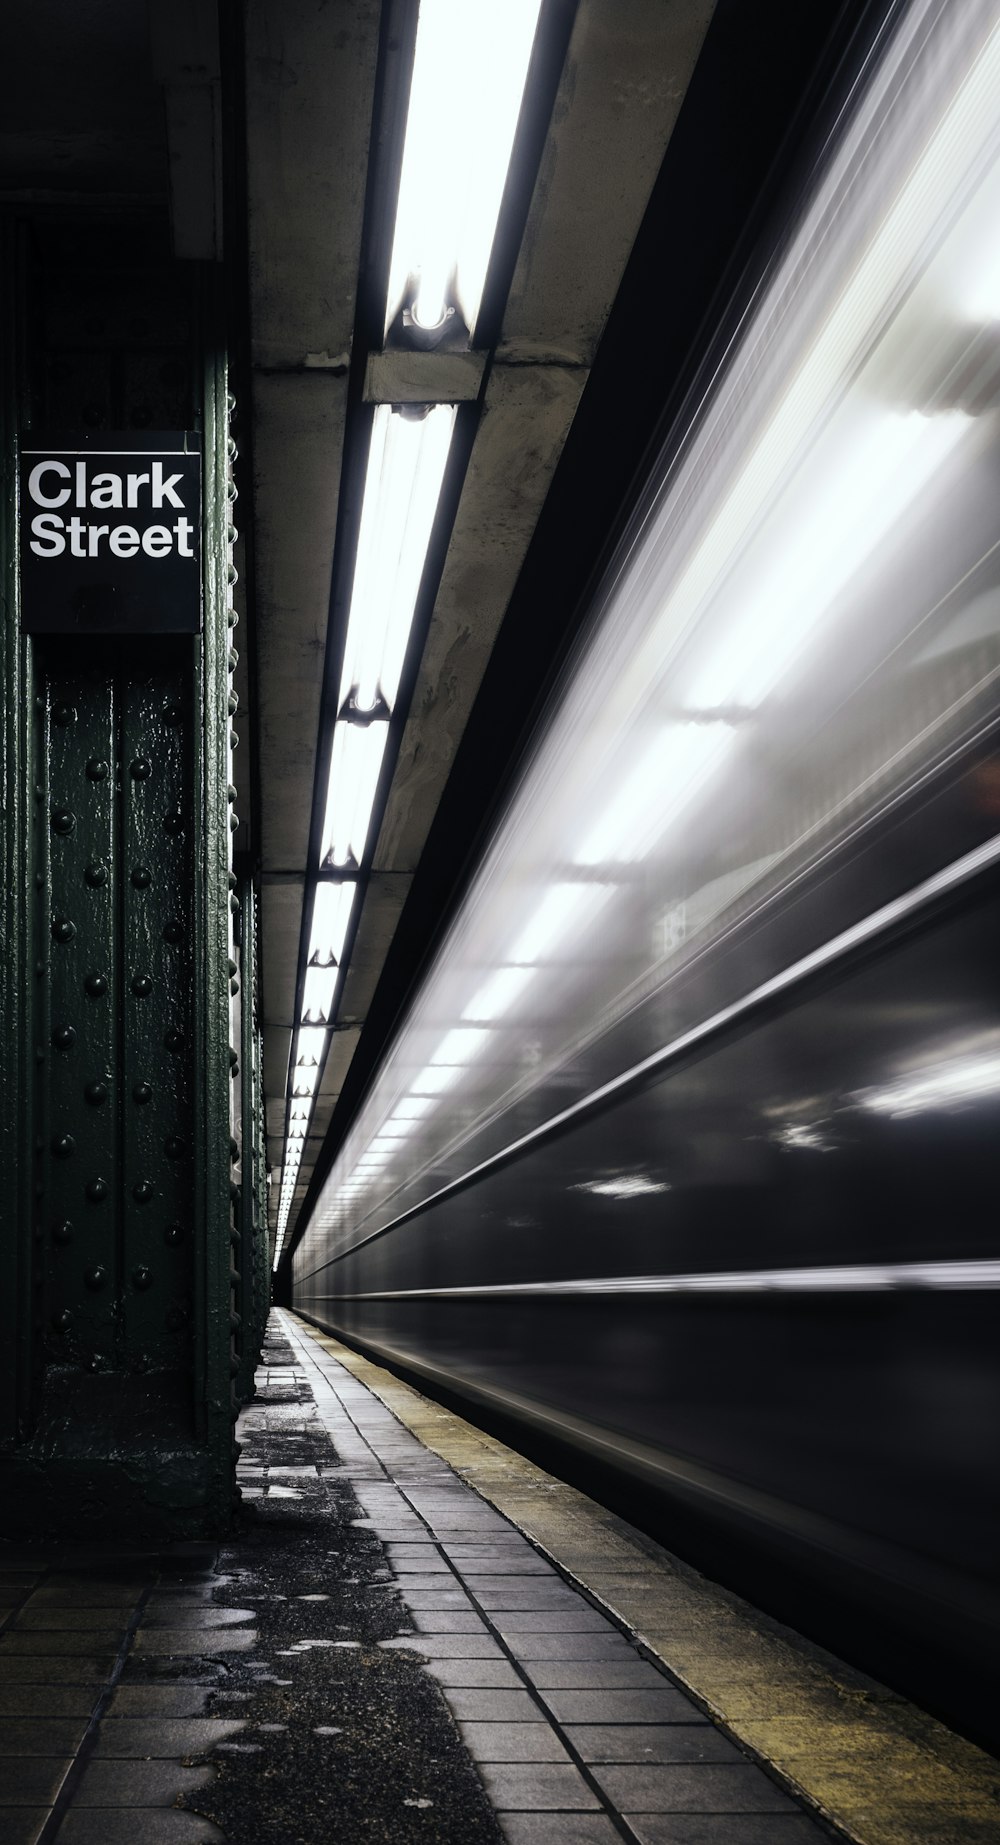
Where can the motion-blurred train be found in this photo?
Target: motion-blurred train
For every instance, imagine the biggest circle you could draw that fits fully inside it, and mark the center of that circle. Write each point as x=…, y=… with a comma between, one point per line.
x=685, y=1154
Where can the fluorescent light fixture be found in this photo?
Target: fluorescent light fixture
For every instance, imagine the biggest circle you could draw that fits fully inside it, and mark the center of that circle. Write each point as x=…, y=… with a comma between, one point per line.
x=406, y=463
x=869, y=482
x=469, y=70
x=318, y=994
x=412, y=1107
x=669, y=771
x=300, y=1112
x=306, y=1081
x=460, y=1046
x=499, y=993
x=332, y=904
x=355, y=767
x=310, y=1045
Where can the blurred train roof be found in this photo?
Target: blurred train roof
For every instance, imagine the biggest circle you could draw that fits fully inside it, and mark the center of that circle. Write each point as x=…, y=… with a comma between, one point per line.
x=171, y=120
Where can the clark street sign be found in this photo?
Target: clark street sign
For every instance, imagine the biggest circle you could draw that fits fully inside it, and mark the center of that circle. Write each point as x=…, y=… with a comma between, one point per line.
x=110, y=533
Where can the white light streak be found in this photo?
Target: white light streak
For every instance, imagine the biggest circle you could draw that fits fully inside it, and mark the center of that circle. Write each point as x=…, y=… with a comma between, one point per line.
x=629, y=1185
x=498, y=994
x=869, y=482
x=944, y=1085
x=461, y=1046
x=564, y=910
x=668, y=774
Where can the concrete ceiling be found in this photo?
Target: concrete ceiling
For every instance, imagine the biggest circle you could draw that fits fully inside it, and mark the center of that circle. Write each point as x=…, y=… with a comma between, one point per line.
x=310, y=102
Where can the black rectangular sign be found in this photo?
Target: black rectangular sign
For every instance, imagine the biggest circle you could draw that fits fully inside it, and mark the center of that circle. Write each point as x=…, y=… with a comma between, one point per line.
x=110, y=529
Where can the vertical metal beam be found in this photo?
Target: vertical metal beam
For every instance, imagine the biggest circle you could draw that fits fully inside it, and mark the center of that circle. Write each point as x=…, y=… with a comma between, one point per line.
x=15, y=1005
x=213, y=1393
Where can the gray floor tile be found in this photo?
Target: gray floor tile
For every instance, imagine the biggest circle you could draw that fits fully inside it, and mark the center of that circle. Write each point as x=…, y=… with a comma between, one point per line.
x=47, y=1700
x=513, y=1742
x=447, y=1621
x=648, y=1742
x=205, y=1616
x=476, y=1674
x=120, y=1597
x=32, y=1781
x=447, y=1646
x=558, y=1829
x=727, y=1829
x=523, y=1787
x=582, y=1620
x=22, y=1825
x=16, y=1645
x=436, y=1602
x=80, y=1670
x=618, y=1706
x=409, y=1557
x=436, y=1582
x=139, y=1826
x=493, y=1706
x=137, y=1784
x=41, y=1735
x=521, y=1592
x=167, y=1598
x=678, y=1788
x=159, y=1701
x=591, y=1647
x=162, y=1737
x=193, y=1640
x=33, y=1619
x=633, y=1674
x=496, y=1571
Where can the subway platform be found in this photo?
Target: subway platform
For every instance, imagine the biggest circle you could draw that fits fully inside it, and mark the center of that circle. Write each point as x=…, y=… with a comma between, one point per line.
x=416, y=1635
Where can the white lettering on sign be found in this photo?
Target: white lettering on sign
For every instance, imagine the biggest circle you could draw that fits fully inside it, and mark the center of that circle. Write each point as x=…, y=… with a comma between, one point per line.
x=52, y=483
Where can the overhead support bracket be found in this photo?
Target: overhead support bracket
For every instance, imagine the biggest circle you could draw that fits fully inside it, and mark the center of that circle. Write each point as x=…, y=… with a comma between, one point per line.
x=424, y=377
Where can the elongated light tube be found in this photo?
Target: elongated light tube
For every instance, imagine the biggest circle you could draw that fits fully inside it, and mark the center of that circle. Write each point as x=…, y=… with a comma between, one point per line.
x=332, y=905
x=355, y=767
x=469, y=70
x=406, y=463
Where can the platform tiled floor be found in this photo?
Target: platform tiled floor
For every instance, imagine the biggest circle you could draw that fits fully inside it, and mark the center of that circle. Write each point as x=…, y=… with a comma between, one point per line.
x=334, y=1671
x=577, y=1736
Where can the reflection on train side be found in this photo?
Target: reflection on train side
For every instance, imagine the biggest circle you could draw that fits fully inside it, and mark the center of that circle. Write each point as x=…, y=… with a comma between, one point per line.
x=686, y=1147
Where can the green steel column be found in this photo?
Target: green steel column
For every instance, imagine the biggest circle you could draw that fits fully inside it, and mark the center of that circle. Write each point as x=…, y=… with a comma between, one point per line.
x=16, y=978
x=251, y=1253
x=118, y=1057
x=216, y=1059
